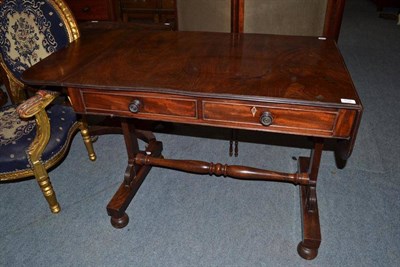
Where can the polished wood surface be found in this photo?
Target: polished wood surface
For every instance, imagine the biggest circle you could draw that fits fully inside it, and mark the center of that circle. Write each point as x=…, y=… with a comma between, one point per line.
x=252, y=66
x=282, y=84
x=191, y=75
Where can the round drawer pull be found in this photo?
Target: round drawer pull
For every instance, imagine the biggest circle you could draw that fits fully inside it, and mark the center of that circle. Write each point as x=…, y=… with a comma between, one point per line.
x=266, y=118
x=134, y=106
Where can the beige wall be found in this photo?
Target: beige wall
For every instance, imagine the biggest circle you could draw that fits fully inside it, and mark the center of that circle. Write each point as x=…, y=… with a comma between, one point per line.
x=293, y=17
x=204, y=15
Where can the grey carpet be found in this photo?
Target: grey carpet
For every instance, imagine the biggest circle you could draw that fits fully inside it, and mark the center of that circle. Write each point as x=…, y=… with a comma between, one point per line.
x=180, y=219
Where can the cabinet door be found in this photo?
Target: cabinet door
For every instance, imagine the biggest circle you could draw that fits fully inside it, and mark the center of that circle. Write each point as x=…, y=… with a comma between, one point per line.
x=167, y=4
x=158, y=12
x=138, y=4
x=92, y=9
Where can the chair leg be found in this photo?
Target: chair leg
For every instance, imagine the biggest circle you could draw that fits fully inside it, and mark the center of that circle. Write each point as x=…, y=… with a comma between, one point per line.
x=87, y=140
x=45, y=185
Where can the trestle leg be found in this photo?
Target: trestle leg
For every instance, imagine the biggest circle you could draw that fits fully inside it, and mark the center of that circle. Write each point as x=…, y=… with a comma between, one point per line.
x=134, y=174
x=308, y=247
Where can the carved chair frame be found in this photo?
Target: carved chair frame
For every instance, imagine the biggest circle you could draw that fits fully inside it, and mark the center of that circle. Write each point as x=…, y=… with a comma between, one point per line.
x=35, y=106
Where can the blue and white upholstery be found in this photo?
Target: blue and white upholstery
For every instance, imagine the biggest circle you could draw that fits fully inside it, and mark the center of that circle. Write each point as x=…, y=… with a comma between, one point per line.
x=17, y=134
x=30, y=30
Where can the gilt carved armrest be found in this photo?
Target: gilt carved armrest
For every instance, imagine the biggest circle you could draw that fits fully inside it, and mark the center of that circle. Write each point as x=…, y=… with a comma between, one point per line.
x=35, y=106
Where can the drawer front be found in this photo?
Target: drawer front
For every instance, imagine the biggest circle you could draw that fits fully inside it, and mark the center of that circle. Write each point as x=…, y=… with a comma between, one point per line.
x=279, y=118
x=90, y=9
x=143, y=4
x=248, y=115
x=168, y=4
x=149, y=106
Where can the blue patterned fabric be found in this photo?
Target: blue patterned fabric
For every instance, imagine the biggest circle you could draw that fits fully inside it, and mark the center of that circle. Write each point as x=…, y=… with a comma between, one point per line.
x=30, y=30
x=16, y=135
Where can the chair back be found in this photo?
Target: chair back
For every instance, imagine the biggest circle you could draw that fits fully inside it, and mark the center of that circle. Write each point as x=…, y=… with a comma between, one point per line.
x=30, y=30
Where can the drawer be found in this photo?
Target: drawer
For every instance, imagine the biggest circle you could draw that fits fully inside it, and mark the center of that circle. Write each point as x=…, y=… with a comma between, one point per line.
x=168, y=4
x=140, y=105
x=90, y=9
x=277, y=118
x=142, y=4
x=296, y=119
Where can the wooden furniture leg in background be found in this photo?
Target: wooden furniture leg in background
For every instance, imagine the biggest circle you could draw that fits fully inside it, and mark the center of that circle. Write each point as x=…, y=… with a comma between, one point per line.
x=3, y=97
x=308, y=247
x=134, y=174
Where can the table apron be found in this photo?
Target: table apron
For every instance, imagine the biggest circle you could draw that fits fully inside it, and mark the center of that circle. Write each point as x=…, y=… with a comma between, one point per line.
x=230, y=113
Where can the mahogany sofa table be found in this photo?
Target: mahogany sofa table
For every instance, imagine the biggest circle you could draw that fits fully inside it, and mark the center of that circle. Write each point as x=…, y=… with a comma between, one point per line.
x=281, y=84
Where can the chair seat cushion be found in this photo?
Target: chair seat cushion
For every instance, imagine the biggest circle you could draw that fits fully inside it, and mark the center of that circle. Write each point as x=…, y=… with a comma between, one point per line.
x=17, y=134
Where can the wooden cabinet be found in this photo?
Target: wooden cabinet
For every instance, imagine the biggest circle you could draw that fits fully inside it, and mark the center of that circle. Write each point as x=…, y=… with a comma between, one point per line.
x=88, y=10
x=149, y=11
x=380, y=4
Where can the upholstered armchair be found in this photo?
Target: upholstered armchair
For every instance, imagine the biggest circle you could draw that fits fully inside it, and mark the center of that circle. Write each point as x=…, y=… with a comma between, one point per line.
x=35, y=135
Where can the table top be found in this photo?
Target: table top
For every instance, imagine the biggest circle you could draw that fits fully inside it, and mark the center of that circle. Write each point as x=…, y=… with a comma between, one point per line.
x=259, y=67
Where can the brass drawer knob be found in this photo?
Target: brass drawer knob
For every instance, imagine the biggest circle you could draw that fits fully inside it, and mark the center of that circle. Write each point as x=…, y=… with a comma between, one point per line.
x=266, y=118
x=134, y=106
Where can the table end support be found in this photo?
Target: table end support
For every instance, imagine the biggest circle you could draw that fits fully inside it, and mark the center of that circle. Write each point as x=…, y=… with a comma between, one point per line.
x=134, y=174
x=311, y=240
